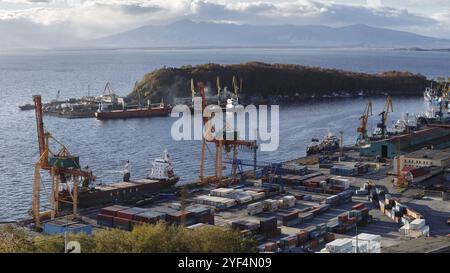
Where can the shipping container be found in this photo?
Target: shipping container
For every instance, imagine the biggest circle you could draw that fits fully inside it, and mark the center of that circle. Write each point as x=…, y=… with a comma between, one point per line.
x=105, y=220
x=130, y=213
x=112, y=210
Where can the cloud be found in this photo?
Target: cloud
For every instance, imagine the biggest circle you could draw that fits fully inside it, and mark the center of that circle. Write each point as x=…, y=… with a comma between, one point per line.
x=88, y=19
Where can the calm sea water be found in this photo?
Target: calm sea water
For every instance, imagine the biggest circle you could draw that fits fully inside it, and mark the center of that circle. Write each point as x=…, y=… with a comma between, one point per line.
x=105, y=145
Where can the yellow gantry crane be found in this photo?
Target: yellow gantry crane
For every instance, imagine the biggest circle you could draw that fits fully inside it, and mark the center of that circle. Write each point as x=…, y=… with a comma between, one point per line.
x=64, y=170
x=363, y=138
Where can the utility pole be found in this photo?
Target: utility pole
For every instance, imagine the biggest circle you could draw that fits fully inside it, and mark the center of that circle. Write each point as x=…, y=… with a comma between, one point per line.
x=342, y=142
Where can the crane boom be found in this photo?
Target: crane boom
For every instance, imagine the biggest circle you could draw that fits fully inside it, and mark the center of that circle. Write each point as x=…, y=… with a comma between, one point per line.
x=362, y=129
x=40, y=127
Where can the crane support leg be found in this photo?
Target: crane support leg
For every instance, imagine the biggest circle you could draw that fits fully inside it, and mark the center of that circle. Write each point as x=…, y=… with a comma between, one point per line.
x=36, y=203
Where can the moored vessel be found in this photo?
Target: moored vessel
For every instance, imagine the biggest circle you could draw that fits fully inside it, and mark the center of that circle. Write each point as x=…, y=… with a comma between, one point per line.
x=161, y=178
x=161, y=110
x=328, y=144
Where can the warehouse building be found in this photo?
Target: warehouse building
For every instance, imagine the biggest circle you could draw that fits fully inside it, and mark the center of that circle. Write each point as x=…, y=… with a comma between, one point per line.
x=436, y=138
x=427, y=158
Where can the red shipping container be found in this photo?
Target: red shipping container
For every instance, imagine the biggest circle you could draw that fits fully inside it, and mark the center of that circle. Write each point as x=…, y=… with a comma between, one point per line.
x=314, y=243
x=343, y=217
x=270, y=247
x=365, y=211
x=122, y=223
x=359, y=206
x=129, y=213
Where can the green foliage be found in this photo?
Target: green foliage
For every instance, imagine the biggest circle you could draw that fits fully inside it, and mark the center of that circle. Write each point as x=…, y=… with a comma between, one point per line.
x=286, y=81
x=145, y=238
x=14, y=240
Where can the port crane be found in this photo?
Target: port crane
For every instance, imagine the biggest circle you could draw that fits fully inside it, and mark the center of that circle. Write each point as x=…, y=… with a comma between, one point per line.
x=363, y=138
x=221, y=145
x=388, y=108
x=64, y=169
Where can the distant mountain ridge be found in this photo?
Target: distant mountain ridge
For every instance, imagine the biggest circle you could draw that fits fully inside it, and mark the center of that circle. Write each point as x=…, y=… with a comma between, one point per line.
x=189, y=33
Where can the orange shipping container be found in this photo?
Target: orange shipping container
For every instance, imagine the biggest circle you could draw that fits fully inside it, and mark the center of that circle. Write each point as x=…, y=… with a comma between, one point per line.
x=359, y=206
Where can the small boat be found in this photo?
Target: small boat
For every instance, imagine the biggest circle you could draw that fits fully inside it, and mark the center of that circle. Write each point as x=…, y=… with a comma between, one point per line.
x=26, y=107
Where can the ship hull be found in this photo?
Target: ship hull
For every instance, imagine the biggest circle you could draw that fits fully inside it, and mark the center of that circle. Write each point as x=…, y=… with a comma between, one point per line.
x=133, y=113
x=123, y=192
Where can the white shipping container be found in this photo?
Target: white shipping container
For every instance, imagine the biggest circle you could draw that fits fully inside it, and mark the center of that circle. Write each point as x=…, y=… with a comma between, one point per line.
x=417, y=224
x=340, y=246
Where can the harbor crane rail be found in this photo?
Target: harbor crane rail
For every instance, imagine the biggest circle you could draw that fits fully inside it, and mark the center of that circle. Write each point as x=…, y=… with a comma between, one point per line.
x=63, y=168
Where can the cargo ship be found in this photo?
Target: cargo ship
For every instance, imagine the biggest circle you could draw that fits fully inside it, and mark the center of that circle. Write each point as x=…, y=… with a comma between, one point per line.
x=161, y=110
x=161, y=178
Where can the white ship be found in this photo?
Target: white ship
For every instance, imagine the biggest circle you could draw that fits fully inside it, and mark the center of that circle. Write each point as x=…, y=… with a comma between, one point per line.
x=404, y=125
x=162, y=168
x=329, y=143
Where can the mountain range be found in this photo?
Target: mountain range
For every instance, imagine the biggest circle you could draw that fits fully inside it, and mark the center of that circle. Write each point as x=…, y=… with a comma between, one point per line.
x=188, y=33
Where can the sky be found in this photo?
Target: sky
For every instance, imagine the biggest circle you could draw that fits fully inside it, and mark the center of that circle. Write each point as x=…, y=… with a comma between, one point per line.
x=67, y=21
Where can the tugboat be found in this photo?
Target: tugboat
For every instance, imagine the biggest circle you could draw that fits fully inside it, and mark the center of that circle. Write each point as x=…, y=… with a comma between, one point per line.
x=160, y=178
x=330, y=143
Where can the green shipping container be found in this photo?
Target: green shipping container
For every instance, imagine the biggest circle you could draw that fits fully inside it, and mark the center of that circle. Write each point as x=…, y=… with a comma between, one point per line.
x=71, y=162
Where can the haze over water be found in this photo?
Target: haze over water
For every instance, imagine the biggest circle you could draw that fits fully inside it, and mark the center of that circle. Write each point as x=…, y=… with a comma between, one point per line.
x=104, y=146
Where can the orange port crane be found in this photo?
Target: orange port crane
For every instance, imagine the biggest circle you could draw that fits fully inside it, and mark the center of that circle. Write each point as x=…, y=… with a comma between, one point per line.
x=362, y=129
x=220, y=144
x=64, y=169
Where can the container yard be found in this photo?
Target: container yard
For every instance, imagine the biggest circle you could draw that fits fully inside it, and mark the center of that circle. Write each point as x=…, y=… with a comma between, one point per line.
x=355, y=199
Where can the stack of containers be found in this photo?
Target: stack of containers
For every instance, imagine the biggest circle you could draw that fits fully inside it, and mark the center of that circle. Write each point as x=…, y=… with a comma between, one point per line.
x=343, y=170
x=270, y=205
x=366, y=243
x=106, y=215
x=303, y=217
x=290, y=218
x=359, y=215
x=202, y=214
x=289, y=242
x=215, y=201
x=125, y=218
x=340, y=246
x=268, y=226
x=255, y=208
x=255, y=195
x=302, y=237
x=271, y=247
x=288, y=201
x=415, y=229
x=332, y=200
x=176, y=218
x=221, y=192
x=150, y=217
x=246, y=225
x=345, y=197
x=339, y=183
